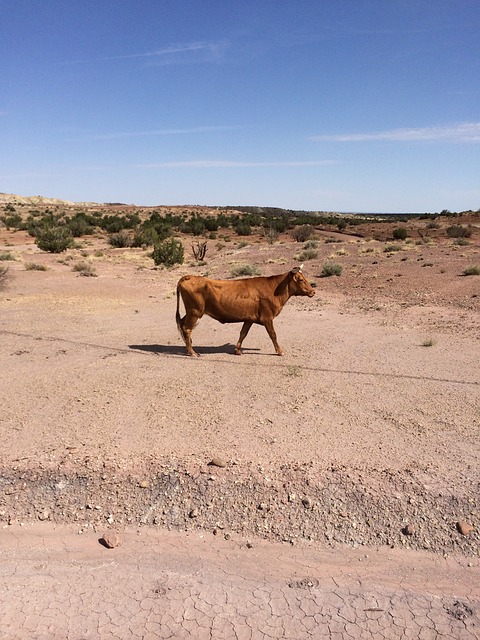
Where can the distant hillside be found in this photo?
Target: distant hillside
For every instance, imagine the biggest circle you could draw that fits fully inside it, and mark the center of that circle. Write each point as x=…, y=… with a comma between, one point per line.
x=12, y=198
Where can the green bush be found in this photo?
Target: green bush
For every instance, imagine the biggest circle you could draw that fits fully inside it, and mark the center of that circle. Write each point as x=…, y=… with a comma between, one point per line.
x=331, y=269
x=168, y=252
x=53, y=239
x=243, y=229
x=400, y=233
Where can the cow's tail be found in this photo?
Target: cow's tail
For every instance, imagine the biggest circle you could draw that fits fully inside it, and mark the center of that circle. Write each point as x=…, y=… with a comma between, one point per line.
x=177, y=315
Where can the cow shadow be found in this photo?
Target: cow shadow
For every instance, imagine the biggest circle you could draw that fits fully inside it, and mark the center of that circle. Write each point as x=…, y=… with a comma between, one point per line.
x=179, y=350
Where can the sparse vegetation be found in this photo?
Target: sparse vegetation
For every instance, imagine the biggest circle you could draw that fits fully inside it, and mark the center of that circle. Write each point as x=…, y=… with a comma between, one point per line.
x=307, y=254
x=6, y=255
x=472, y=271
x=331, y=240
x=458, y=231
x=245, y=270
x=428, y=342
x=5, y=275
x=168, y=253
x=199, y=250
x=392, y=248
x=35, y=266
x=331, y=269
x=84, y=269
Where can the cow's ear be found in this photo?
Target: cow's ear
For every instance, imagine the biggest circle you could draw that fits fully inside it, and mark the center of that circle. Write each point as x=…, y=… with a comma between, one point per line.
x=297, y=269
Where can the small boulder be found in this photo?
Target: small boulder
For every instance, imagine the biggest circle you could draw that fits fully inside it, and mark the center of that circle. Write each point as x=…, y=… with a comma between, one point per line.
x=110, y=540
x=217, y=462
x=464, y=527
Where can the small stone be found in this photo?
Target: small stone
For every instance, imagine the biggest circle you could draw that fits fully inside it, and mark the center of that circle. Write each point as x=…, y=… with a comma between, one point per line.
x=193, y=513
x=408, y=529
x=144, y=484
x=227, y=536
x=291, y=497
x=249, y=545
x=464, y=527
x=307, y=503
x=217, y=462
x=110, y=540
x=45, y=515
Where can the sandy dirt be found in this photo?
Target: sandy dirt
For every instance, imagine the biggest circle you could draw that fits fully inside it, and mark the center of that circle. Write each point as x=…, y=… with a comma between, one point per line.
x=363, y=438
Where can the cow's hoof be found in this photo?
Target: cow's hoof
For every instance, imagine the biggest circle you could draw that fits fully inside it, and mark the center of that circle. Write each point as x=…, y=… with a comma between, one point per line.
x=238, y=353
x=193, y=354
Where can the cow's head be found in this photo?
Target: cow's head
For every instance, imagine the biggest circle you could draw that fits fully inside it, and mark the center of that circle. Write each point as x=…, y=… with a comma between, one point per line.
x=299, y=285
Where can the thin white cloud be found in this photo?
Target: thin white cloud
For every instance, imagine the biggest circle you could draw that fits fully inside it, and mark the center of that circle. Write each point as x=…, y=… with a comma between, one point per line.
x=154, y=132
x=457, y=133
x=174, y=54
x=208, y=164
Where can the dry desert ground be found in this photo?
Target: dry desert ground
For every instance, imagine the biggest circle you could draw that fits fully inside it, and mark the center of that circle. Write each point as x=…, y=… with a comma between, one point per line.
x=360, y=445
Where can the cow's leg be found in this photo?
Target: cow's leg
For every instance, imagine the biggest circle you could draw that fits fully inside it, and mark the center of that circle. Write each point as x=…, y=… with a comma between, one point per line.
x=243, y=335
x=188, y=323
x=273, y=336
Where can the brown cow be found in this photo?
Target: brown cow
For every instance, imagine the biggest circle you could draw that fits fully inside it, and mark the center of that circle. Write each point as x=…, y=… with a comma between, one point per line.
x=249, y=300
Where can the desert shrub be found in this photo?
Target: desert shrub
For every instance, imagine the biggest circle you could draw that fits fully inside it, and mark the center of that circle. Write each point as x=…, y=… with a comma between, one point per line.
x=391, y=248
x=433, y=225
x=53, y=239
x=4, y=276
x=278, y=224
x=79, y=226
x=168, y=253
x=400, y=233
x=84, y=269
x=245, y=270
x=307, y=254
x=461, y=242
x=13, y=222
x=211, y=223
x=311, y=244
x=331, y=269
x=6, y=255
x=428, y=342
x=243, y=229
x=119, y=240
x=331, y=240
x=303, y=233
x=34, y=266
x=458, y=231
x=472, y=271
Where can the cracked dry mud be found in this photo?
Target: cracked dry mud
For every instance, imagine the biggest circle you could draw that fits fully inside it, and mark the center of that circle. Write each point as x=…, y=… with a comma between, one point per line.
x=349, y=463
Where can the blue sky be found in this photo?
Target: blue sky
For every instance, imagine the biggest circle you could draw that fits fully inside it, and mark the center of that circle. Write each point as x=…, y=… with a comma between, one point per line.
x=338, y=105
